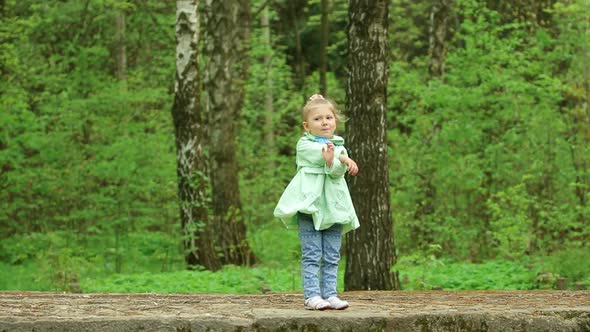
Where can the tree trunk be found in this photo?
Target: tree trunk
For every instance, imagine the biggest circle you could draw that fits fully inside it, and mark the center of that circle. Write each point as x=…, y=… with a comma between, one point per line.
x=324, y=49
x=291, y=21
x=294, y=12
x=188, y=121
x=439, y=35
x=370, y=249
x=268, y=95
x=121, y=49
x=225, y=92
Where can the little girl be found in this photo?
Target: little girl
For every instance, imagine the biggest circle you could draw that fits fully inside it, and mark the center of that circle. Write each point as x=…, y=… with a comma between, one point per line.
x=318, y=201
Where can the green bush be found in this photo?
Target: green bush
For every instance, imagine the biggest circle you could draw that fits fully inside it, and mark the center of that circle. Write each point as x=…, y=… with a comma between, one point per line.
x=573, y=264
x=494, y=274
x=231, y=279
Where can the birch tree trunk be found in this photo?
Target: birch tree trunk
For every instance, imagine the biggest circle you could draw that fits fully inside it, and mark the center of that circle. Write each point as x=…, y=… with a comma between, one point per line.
x=370, y=249
x=188, y=121
x=225, y=92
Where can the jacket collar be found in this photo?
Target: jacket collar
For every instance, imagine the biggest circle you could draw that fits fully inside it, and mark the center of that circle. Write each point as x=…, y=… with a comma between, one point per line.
x=336, y=140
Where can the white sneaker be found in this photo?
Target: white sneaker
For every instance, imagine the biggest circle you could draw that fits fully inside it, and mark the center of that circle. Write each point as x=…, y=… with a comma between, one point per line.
x=317, y=303
x=336, y=303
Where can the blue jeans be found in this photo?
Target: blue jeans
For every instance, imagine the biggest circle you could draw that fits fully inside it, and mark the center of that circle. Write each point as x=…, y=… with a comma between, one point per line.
x=320, y=254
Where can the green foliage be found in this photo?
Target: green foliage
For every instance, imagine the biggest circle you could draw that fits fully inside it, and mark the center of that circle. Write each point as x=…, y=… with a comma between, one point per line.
x=573, y=264
x=510, y=225
x=408, y=29
x=488, y=148
x=231, y=279
x=493, y=274
x=23, y=277
x=274, y=245
x=416, y=273
x=60, y=258
x=152, y=264
x=421, y=259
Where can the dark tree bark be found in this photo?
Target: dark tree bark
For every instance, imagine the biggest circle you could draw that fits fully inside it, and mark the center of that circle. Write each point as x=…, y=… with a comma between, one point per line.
x=370, y=249
x=188, y=121
x=439, y=35
x=225, y=50
x=324, y=49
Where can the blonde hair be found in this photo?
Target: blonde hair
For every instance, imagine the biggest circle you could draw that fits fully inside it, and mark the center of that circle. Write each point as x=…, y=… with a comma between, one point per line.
x=317, y=101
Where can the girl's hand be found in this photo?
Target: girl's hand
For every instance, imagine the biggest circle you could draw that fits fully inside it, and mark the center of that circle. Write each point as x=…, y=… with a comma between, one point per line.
x=353, y=169
x=328, y=153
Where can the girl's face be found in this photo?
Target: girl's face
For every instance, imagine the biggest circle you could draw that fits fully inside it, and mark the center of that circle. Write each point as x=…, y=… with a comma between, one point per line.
x=320, y=122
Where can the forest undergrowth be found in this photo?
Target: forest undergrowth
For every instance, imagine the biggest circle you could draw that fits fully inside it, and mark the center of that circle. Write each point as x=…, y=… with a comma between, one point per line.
x=153, y=263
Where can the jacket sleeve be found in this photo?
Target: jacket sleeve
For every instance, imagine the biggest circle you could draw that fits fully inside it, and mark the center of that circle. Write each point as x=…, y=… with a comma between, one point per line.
x=338, y=169
x=309, y=154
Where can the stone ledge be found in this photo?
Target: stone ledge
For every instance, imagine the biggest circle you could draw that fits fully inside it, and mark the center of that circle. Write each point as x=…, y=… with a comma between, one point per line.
x=435, y=311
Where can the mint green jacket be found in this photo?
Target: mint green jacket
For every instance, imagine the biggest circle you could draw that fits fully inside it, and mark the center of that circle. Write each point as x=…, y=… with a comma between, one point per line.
x=318, y=190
